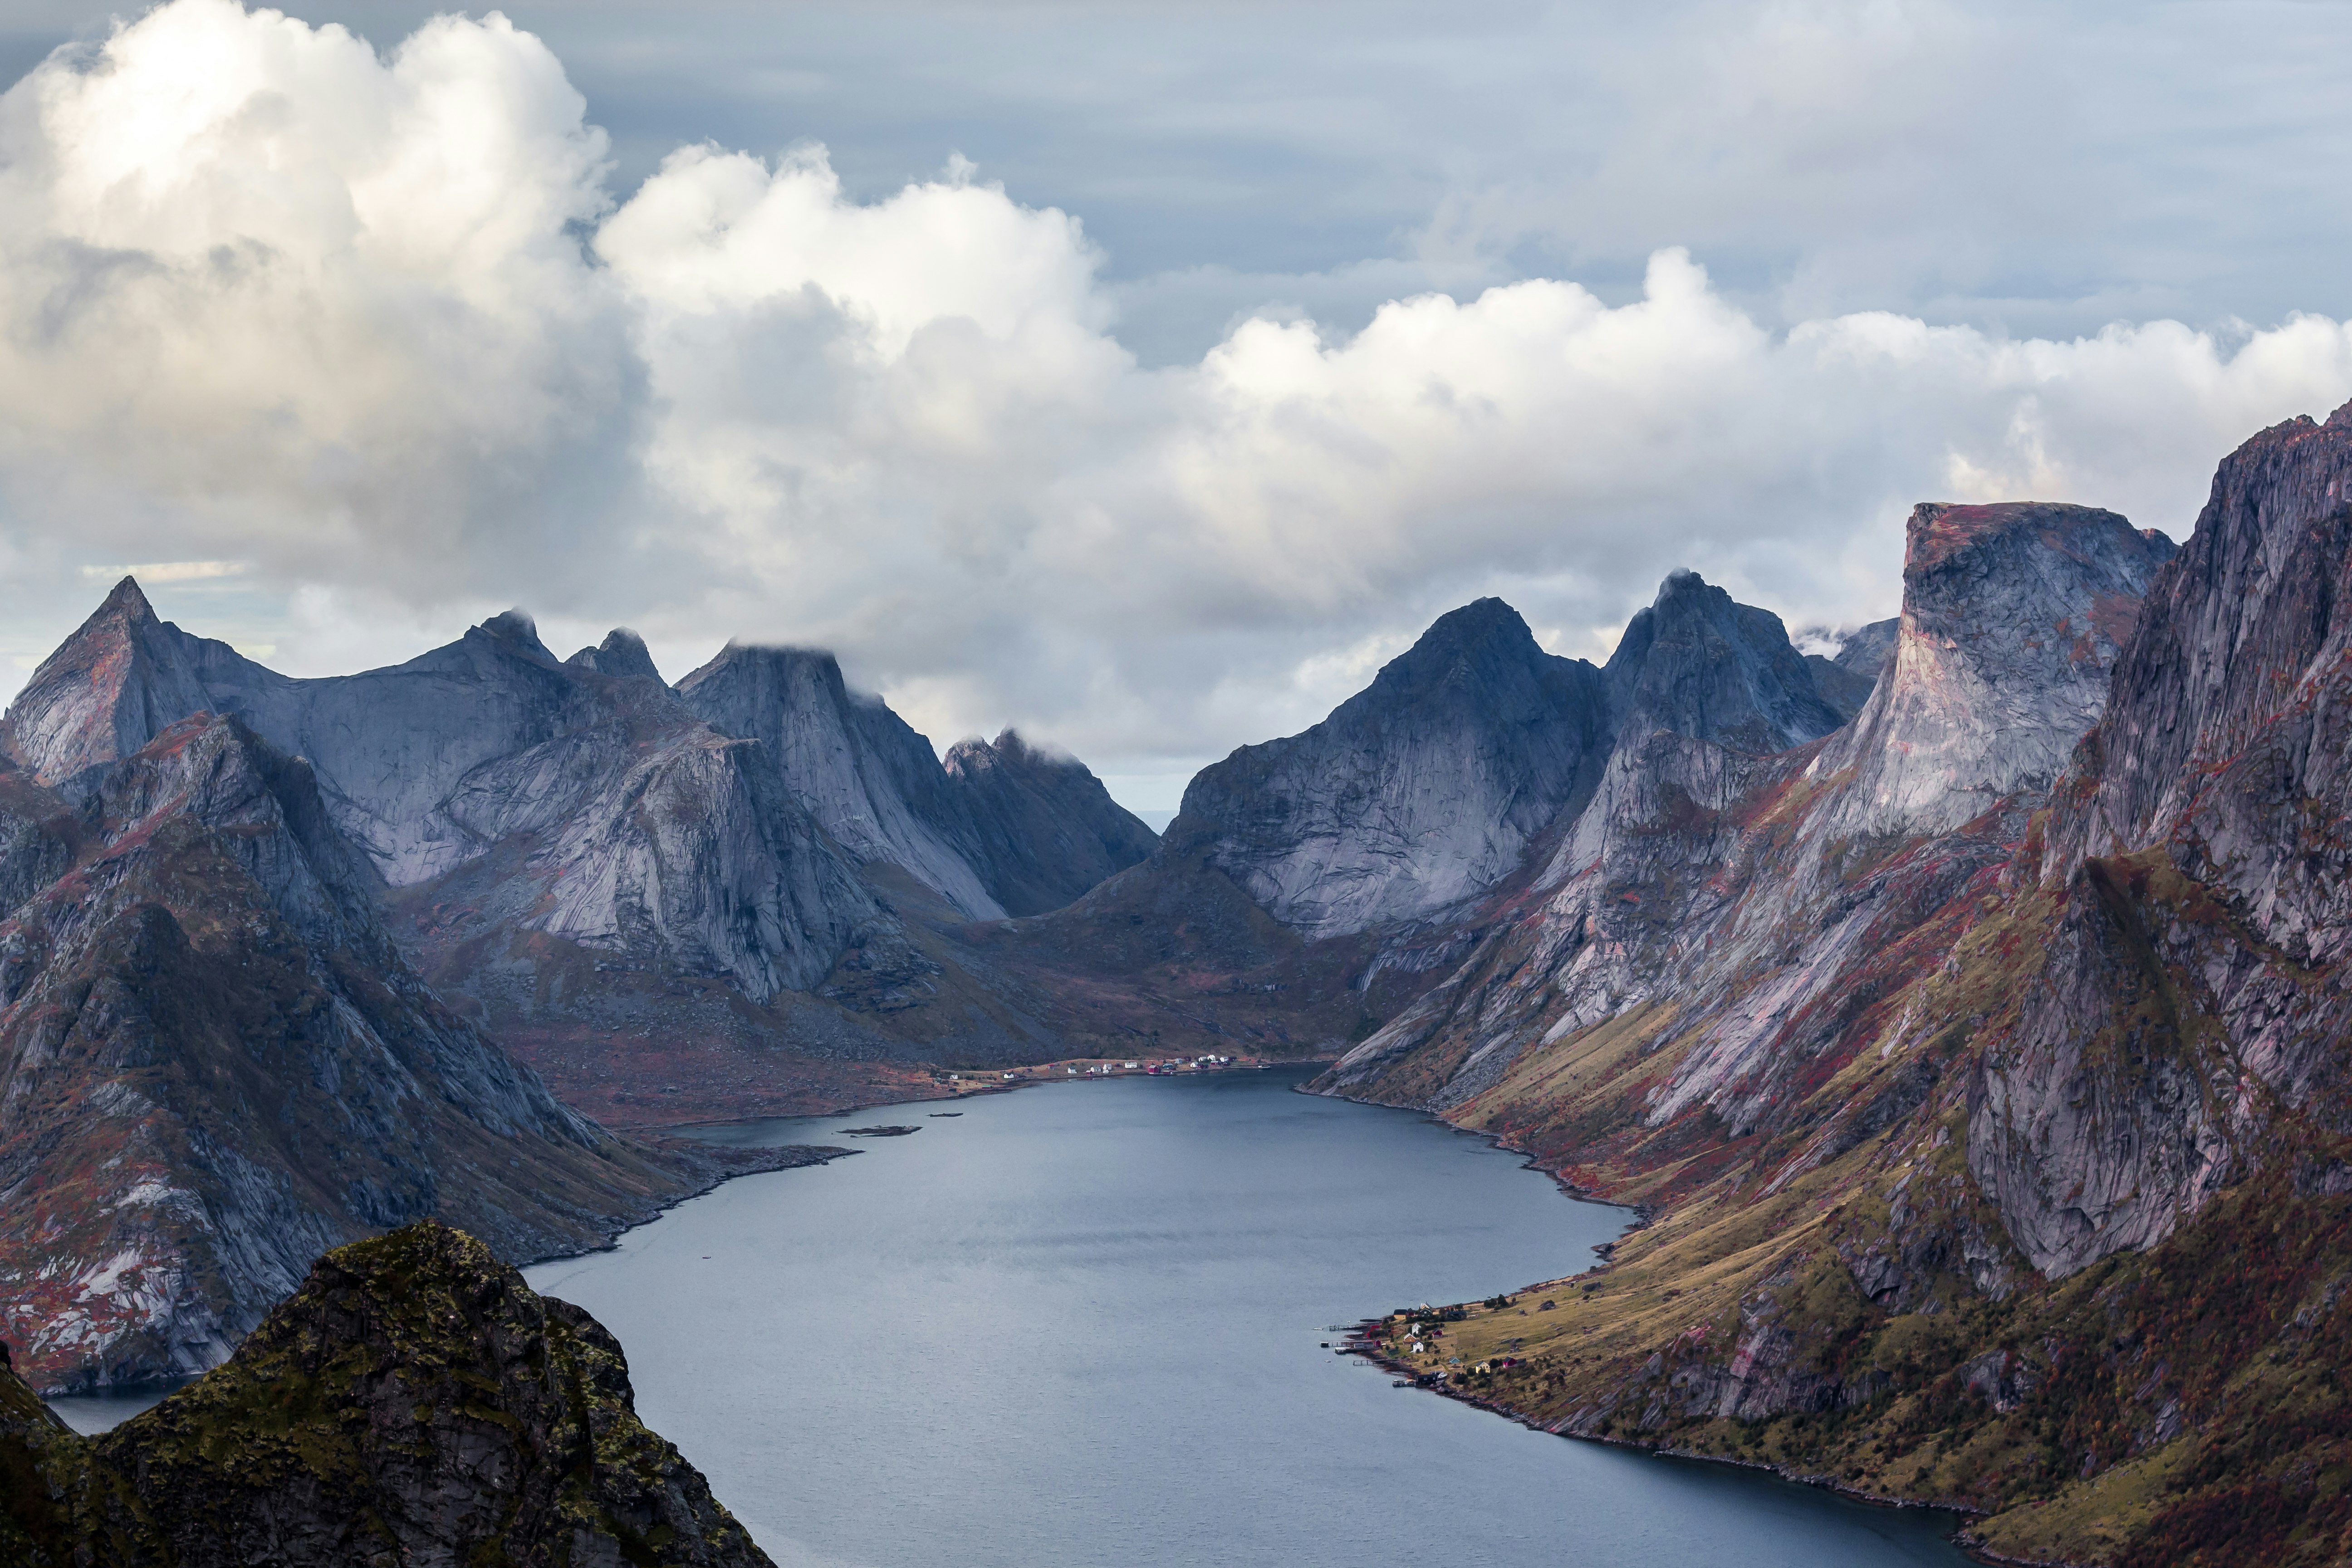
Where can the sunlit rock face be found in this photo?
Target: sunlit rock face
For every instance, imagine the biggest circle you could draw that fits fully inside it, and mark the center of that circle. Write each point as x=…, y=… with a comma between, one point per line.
x=1045, y=828
x=105, y=692
x=1422, y=791
x=2013, y=615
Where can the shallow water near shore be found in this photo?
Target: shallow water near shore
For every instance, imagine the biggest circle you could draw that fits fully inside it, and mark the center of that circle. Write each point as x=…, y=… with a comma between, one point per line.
x=1083, y=1324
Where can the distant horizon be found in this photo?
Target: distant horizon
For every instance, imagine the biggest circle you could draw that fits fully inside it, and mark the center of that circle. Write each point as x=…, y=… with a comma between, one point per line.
x=1164, y=790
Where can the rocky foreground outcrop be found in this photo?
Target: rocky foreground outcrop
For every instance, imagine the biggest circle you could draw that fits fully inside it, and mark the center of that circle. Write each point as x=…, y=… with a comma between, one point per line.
x=412, y=1402
x=1982, y=1065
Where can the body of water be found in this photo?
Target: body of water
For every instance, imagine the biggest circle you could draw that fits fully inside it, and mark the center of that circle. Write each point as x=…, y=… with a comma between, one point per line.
x=1084, y=1324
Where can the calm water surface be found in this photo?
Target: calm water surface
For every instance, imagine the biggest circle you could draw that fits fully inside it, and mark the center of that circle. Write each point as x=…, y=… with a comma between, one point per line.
x=1080, y=1325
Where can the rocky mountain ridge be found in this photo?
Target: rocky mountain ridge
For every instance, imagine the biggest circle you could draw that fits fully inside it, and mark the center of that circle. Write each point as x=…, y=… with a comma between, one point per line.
x=1980, y=1064
x=747, y=870
x=214, y=1064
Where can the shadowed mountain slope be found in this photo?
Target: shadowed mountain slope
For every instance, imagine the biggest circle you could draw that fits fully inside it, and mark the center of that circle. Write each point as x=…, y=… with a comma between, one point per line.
x=1313, y=886
x=1046, y=828
x=857, y=768
x=214, y=1064
x=1700, y=665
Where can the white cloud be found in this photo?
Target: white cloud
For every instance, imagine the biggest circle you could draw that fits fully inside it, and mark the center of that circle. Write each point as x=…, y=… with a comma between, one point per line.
x=374, y=327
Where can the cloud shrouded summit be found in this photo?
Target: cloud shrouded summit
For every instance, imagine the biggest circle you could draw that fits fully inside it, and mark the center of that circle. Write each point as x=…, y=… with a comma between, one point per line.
x=378, y=333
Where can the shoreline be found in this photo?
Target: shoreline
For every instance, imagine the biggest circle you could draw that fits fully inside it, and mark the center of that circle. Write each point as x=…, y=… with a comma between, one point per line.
x=1360, y=1342
x=1028, y=1076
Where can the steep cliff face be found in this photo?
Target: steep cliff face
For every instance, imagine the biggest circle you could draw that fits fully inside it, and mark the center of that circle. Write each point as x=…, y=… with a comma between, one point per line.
x=1046, y=828
x=2194, y=871
x=1984, y=1079
x=1419, y=793
x=414, y=1402
x=857, y=768
x=1682, y=878
x=214, y=1064
x=2012, y=617
x=1764, y=897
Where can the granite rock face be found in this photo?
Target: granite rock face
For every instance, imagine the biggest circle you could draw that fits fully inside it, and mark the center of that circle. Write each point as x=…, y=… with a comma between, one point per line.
x=1047, y=830
x=1700, y=664
x=106, y=692
x=1416, y=795
x=1765, y=893
x=857, y=768
x=214, y=1064
x=2191, y=1012
x=2013, y=615
x=414, y=1402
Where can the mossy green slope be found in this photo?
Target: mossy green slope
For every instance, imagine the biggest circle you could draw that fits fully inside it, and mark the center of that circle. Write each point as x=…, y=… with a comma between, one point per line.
x=413, y=1403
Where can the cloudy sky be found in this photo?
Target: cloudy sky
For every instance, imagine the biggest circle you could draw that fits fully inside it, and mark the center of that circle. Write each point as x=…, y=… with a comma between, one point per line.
x=1143, y=375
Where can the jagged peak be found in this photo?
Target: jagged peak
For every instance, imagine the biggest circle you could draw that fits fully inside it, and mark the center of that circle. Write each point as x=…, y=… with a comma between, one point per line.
x=1480, y=620
x=1012, y=743
x=127, y=602
x=1698, y=662
x=514, y=626
x=1479, y=632
x=1011, y=748
x=770, y=658
x=1683, y=581
x=2341, y=419
x=623, y=652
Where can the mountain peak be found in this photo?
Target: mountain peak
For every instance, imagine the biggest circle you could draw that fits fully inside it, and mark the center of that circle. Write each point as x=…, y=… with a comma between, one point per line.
x=127, y=602
x=1699, y=663
x=2013, y=615
x=623, y=652
x=108, y=689
x=1419, y=792
x=514, y=626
